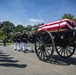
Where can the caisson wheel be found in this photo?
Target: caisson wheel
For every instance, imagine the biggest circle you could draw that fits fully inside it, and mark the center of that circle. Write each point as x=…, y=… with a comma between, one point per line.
x=44, y=45
x=65, y=51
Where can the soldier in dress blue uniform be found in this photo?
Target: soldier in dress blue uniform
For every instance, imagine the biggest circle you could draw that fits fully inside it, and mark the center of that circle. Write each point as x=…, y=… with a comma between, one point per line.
x=15, y=41
x=18, y=41
x=24, y=40
x=32, y=42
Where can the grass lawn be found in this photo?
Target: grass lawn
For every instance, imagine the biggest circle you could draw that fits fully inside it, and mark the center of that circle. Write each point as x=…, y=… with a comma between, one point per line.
x=13, y=44
x=8, y=43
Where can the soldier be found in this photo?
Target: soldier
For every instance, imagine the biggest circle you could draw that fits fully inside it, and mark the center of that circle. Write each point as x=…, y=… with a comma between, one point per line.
x=24, y=40
x=32, y=41
x=15, y=41
x=18, y=40
x=4, y=41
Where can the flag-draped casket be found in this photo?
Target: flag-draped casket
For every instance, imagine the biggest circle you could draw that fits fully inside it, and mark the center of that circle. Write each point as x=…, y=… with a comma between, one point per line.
x=60, y=25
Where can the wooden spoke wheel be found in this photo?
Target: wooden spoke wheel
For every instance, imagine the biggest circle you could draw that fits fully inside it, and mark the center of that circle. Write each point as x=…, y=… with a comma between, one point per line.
x=44, y=45
x=66, y=51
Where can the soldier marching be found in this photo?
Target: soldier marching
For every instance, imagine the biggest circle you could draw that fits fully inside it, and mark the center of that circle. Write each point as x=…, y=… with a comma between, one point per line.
x=32, y=42
x=24, y=40
x=15, y=41
x=21, y=41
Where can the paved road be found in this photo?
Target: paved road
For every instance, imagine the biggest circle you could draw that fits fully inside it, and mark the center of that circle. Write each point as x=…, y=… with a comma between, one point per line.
x=18, y=63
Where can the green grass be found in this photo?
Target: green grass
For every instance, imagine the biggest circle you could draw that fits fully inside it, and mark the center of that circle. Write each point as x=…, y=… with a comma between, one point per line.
x=13, y=44
x=8, y=43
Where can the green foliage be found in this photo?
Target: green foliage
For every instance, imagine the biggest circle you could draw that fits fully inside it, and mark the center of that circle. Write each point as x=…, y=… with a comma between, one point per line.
x=69, y=16
x=74, y=20
x=8, y=29
x=2, y=35
x=19, y=28
x=1, y=32
x=28, y=28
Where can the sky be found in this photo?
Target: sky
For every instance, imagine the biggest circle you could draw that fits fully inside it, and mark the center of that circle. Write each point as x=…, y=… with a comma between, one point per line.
x=31, y=12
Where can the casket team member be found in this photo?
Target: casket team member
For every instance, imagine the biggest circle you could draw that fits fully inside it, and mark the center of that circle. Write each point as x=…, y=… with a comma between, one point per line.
x=24, y=40
x=18, y=41
x=15, y=41
x=32, y=41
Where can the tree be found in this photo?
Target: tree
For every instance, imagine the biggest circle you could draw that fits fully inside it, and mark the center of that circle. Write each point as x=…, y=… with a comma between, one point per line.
x=2, y=36
x=19, y=28
x=8, y=28
x=74, y=20
x=69, y=16
x=35, y=27
x=29, y=27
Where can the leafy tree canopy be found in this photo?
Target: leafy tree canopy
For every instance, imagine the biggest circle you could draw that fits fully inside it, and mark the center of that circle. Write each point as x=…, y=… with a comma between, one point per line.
x=69, y=16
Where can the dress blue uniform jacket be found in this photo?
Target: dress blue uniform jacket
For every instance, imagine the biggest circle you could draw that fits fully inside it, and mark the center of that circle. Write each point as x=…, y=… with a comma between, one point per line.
x=18, y=39
x=32, y=38
x=15, y=38
x=24, y=38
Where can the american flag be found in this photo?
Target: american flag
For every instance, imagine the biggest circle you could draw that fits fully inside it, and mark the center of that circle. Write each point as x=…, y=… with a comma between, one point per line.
x=61, y=25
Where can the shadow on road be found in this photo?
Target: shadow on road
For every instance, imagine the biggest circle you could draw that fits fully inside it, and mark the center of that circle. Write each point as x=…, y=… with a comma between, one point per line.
x=63, y=61
x=7, y=61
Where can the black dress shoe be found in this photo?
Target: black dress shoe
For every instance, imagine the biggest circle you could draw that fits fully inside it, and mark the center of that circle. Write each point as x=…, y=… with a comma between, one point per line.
x=24, y=51
x=19, y=50
x=32, y=51
x=15, y=49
